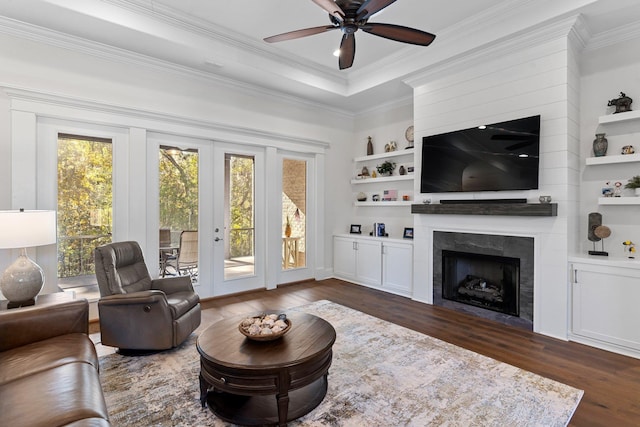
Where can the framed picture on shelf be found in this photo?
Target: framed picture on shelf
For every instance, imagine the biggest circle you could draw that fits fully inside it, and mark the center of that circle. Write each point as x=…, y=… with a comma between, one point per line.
x=355, y=229
x=408, y=233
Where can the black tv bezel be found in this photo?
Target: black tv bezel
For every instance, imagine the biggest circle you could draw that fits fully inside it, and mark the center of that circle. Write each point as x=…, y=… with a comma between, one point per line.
x=431, y=189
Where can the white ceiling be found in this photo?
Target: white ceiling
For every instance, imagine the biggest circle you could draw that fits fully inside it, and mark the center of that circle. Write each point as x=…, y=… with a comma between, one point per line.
x=223, y=39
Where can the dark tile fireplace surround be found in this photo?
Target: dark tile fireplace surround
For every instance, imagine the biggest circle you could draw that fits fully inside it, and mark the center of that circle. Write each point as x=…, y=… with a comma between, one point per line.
x=486, y=245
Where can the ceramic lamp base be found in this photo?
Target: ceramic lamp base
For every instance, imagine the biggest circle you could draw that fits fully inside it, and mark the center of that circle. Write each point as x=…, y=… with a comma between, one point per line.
x=22, y=280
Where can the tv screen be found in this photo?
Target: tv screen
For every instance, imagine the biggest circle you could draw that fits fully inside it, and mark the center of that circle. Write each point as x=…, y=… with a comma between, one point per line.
x=499, y=156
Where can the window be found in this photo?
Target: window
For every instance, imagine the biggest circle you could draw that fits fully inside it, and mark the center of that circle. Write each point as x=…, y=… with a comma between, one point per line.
x=85, y=183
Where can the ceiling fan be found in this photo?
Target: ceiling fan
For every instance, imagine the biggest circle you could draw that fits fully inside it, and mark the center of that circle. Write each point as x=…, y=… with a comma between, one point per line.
x=350, y=16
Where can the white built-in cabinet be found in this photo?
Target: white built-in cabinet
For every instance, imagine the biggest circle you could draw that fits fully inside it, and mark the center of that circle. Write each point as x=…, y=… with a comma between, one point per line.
x=605, y=296
x=377, y=262
x=397, y=267
x=357, y=260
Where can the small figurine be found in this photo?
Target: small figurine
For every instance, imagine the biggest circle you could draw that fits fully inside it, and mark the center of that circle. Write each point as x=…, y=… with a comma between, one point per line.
x=608, y=190
x=365, y=171
x=622, y=104
x=629, y=247
x=628, y=149
x=617, y=189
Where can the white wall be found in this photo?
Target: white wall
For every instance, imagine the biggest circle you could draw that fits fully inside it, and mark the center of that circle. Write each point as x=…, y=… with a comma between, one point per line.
x=384, y=124
x=605, y=73
x=141, y=97
x=536, y=79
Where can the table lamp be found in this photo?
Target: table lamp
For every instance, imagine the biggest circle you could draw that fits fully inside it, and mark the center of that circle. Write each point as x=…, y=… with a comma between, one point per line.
x=23, y=279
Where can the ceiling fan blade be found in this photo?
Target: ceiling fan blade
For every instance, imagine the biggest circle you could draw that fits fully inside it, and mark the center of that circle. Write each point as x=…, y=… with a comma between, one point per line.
x=331, y=7
x=399, y=33
x=371, y=7
x=347, y=51
x=299, y=33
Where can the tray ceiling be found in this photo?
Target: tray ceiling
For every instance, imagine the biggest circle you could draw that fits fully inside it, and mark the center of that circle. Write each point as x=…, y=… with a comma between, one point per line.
x=224, y=39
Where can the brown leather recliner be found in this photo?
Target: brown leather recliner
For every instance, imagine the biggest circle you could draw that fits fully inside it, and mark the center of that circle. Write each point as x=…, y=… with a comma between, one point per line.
x=136, y=312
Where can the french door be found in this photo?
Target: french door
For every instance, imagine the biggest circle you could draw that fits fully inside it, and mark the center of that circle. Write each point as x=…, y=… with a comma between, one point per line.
x=210, y=190
x=239, y=214
x=296, y=184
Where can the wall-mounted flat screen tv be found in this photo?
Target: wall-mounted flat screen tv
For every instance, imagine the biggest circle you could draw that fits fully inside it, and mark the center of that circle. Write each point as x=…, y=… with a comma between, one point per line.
x=492, y=157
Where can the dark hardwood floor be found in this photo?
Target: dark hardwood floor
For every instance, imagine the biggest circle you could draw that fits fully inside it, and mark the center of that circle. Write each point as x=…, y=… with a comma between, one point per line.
x=611, y=382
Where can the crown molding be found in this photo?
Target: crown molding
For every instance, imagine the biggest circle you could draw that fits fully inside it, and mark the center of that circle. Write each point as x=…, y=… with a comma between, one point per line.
x=193, y=24
x=612, y=37
x=49, y=37
x=396, y=103
x=580, y=33
x=53, y=105
x=491, y=50
x=456, y=38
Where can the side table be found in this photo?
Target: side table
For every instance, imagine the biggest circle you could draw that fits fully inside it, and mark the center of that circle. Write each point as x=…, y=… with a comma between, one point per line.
x=44, y=299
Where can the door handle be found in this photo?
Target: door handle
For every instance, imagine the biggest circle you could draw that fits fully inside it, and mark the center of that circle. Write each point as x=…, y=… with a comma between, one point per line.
x=217, y=239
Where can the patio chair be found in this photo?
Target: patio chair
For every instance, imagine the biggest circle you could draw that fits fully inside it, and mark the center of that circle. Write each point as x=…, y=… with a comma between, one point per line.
x=167, y=251
x=186, y=262
x=137, y=312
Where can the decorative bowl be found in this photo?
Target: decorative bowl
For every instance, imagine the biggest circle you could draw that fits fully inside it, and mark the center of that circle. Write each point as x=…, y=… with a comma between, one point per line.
x=244, y=328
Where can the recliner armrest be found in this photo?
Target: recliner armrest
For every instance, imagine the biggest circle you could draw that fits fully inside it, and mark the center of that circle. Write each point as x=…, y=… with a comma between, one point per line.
x=143, y=297
x=170, y=285
x=27, y=325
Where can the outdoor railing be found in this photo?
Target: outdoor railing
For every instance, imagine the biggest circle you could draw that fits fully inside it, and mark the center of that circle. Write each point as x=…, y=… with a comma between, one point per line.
x=75, y=253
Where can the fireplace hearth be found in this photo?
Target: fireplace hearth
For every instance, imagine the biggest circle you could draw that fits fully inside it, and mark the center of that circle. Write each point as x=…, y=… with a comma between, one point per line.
x=486, y=281
x=501, y=290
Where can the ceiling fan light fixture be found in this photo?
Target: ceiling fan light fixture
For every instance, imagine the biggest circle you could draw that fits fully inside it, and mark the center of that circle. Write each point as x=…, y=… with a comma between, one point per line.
x=349, y=16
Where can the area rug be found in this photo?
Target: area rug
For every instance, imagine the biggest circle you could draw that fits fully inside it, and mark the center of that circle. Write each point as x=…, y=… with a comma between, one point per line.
x=382, y=375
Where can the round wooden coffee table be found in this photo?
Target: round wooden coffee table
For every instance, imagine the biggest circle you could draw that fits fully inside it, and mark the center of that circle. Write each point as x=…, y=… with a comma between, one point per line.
x=240, y=377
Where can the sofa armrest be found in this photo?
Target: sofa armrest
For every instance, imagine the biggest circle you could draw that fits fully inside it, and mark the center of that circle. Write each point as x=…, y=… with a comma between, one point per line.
x=171, y=285
x=23, y=326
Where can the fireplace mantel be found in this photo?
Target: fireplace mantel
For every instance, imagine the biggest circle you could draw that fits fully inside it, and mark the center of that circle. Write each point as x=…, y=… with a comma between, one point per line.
x=511, y=209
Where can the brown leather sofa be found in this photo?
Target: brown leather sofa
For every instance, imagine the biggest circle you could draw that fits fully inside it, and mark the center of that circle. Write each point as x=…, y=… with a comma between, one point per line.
x=49, y=368
x=137, y=312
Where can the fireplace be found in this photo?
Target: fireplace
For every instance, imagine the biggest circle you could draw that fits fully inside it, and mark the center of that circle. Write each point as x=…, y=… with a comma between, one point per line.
x=507, y=274
x=487, y=281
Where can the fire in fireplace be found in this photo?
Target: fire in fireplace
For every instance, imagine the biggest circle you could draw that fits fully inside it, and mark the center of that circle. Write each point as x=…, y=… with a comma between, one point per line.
x=487, y=281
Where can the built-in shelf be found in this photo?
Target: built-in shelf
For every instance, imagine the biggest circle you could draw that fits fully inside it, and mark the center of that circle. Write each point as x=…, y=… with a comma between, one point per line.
x=385, y=155
x=382, y=204
x=619, y=200
x=509, y=209
x=383, y=179
x=607, y=160
x=620, y=117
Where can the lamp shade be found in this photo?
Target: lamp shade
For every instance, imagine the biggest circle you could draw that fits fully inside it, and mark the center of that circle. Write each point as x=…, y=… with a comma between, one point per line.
x=24, y=229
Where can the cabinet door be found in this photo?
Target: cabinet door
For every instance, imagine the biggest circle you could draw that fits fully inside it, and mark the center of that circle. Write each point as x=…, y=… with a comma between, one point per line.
x=397, y=267
x=605, y=305
x=369, y=262
x=344, y=258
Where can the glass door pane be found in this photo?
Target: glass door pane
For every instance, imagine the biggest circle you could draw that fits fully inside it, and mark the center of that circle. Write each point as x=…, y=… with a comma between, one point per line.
x=85, y=199
x=178, y=180
x=239, y=248
x=294, y=207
